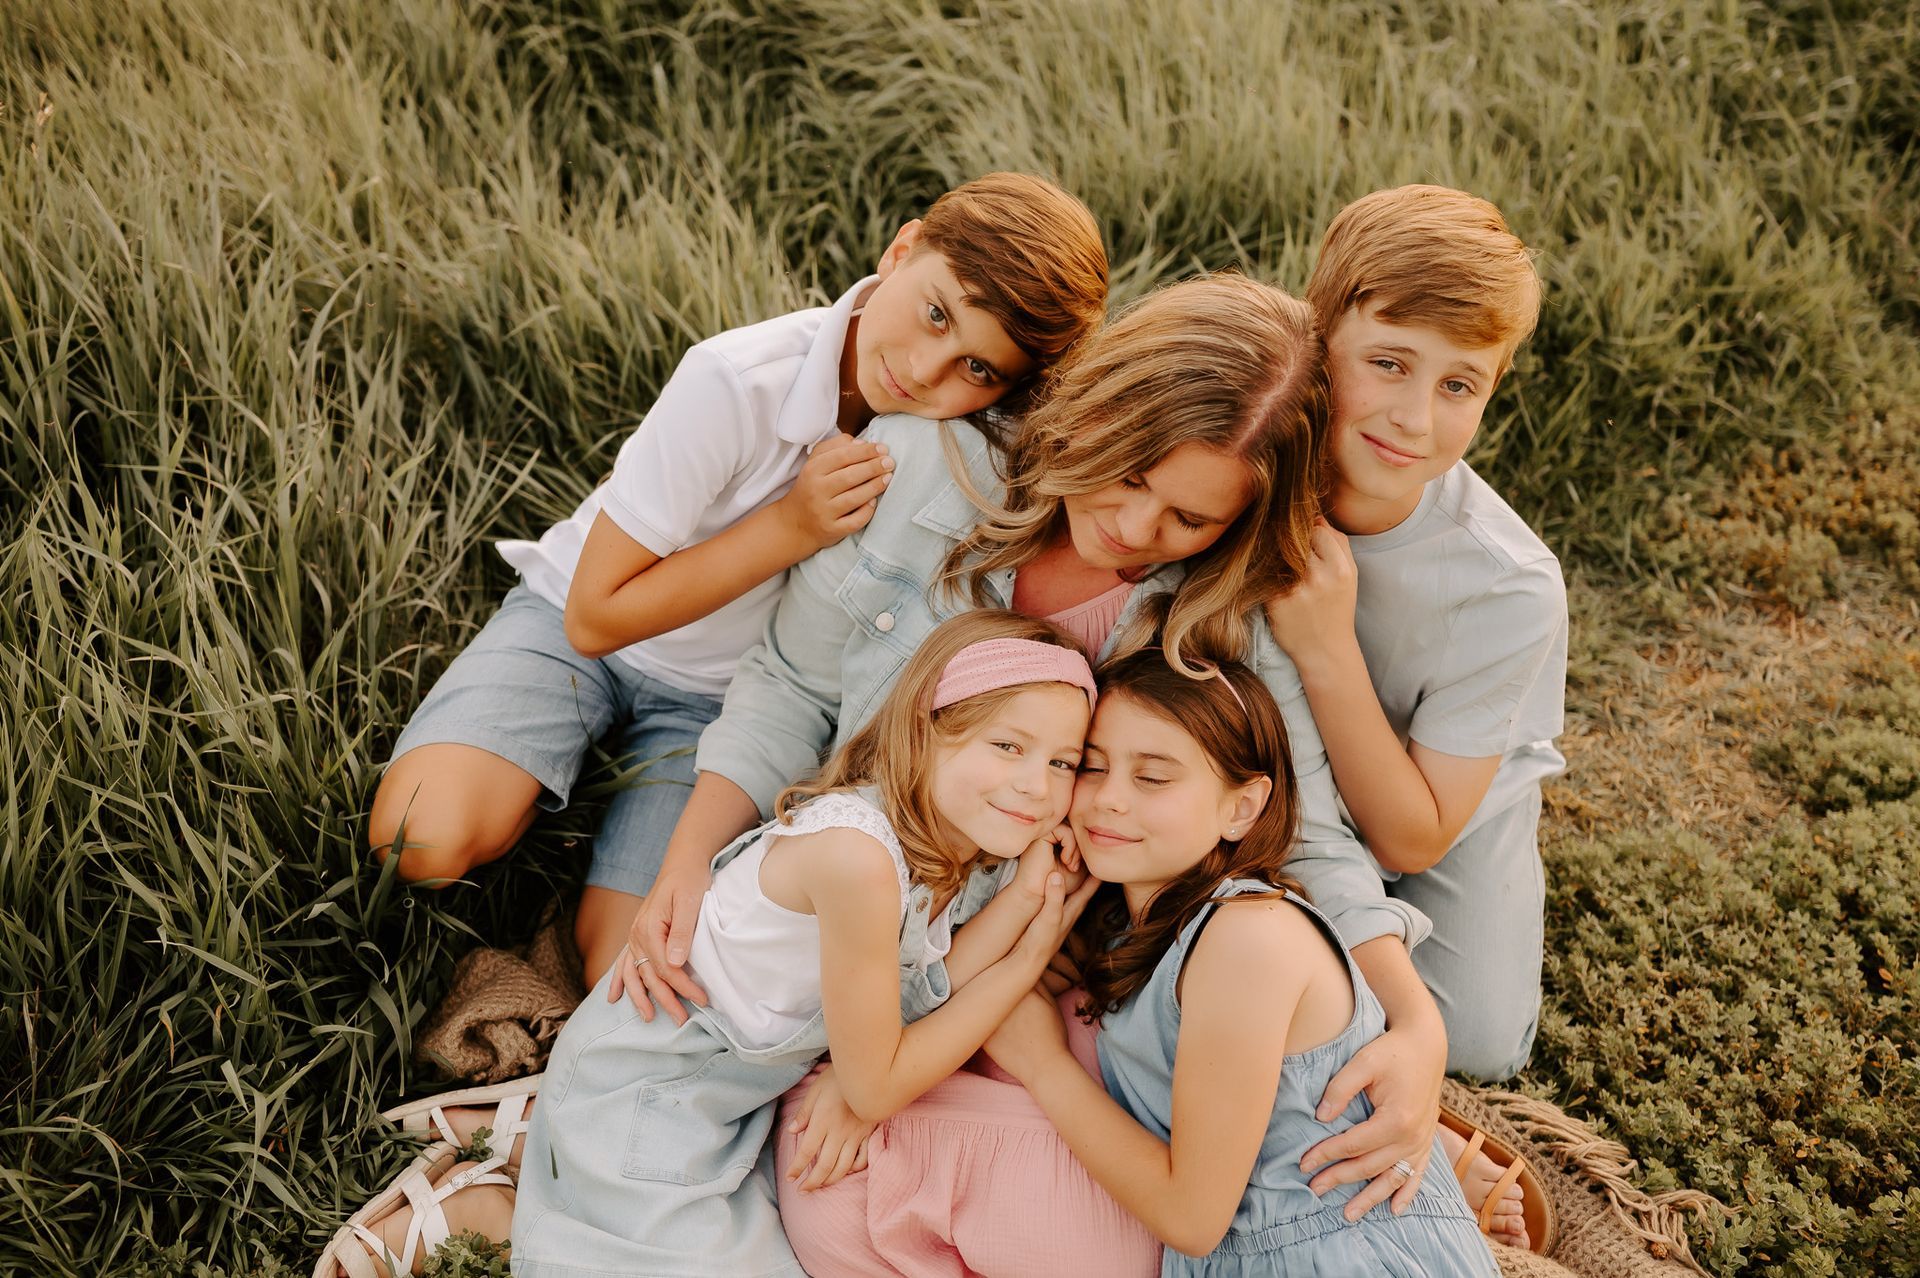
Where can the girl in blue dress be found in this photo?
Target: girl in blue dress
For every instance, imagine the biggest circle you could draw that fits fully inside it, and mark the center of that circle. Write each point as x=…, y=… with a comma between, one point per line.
x=1226, y=1002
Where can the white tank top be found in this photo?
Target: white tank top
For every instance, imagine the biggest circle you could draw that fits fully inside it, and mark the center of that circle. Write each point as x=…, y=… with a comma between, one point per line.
x=759, y=961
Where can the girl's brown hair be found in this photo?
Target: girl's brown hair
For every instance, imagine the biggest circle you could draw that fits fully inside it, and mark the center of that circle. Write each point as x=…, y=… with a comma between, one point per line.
x=893, y=752
x=1244, y=738
x=1222, y=362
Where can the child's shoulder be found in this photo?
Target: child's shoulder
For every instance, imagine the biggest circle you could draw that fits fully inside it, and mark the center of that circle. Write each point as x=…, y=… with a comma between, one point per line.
x=1261, y=928
x=768, y=345
x=845, y=837
x=1466, y=502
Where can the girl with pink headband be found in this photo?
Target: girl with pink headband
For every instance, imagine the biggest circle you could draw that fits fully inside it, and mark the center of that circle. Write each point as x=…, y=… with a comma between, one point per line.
x=830, y=927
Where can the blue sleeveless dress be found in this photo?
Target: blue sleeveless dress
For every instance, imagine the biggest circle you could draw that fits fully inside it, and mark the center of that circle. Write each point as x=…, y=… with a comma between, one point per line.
x=1281, y=1230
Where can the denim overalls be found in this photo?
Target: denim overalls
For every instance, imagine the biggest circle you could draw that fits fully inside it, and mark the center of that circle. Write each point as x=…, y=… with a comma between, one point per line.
x=1281, y=1229
x=648, y=1152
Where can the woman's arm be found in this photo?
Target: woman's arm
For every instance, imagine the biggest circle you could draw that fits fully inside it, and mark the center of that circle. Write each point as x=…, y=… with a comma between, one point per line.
x=1400, y=1072
x=717, y=813
x=1226, y=1071
x=1410, y=802
x=623, y=593
x=881, y=1065
x=780, y=714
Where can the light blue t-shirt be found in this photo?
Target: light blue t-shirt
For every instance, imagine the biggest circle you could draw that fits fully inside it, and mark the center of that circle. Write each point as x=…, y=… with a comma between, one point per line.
x=1462, y=618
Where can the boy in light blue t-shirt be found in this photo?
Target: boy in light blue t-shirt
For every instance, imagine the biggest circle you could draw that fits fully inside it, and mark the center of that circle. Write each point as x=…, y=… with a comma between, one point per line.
x=1431, y=632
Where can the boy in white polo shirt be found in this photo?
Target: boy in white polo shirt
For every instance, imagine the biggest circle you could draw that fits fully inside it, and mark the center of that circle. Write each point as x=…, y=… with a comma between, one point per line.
x=634, y=612
x=1431, y=631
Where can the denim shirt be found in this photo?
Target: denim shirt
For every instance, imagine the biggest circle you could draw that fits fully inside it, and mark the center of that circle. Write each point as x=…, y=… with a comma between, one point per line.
x=853, y=613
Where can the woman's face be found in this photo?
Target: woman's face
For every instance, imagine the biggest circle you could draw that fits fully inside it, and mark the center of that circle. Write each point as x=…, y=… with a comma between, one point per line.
x=1177, y=509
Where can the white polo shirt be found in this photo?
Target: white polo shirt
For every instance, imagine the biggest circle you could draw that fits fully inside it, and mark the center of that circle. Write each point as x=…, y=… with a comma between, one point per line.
x=727, y=435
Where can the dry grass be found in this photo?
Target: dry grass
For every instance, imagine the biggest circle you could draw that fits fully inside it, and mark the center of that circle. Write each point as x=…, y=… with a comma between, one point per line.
x=1665, y=738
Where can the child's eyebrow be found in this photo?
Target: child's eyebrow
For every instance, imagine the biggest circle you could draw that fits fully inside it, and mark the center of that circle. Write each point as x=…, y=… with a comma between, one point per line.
x=1409, y=352
x=953, y=318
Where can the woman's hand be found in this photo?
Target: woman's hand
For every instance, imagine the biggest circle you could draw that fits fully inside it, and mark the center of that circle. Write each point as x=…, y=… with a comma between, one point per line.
x=1400, y=1071
x=1316, y=617
x=652, y=968
x=1032, y=1033
x=837, y=490
x=833, y=1140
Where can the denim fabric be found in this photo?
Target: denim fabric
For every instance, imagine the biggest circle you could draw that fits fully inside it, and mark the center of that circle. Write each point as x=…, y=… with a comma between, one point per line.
x=854, y=612
x=1281, y=1229
x=519, y=690
x=648, y=1156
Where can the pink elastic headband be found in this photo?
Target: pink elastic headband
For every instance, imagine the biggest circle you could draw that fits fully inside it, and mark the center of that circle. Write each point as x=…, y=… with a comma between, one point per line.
x=1003, y=663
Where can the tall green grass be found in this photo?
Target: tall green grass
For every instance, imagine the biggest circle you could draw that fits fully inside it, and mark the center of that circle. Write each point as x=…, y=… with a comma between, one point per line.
x=302, y=304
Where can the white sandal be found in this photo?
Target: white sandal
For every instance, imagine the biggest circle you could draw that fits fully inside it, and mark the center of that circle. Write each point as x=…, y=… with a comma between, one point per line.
x=355, y=1246
x=512, y=1101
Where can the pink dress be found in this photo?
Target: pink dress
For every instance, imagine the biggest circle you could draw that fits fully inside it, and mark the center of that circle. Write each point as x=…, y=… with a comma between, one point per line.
x=971, y=1179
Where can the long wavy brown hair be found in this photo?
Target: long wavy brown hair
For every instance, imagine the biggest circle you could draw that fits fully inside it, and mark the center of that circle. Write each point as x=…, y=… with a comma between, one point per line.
x=893, y=752
x=1220, y=361
x=1244, y=738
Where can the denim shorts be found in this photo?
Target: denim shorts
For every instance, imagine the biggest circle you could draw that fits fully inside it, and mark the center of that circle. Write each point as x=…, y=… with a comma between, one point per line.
x=520, y=691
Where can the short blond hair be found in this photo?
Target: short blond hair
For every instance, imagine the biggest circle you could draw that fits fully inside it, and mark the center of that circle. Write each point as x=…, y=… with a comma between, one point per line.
x=1429, y=256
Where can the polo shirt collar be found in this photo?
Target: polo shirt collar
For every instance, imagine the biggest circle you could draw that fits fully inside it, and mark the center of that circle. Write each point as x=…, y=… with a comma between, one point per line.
x=812, y=409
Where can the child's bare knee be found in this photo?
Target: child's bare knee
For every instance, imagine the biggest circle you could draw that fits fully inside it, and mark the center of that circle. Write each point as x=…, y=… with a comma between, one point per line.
x=432, y=862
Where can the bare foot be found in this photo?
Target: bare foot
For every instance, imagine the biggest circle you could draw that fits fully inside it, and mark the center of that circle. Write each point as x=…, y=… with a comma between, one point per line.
x=483, y=1209
x=1509, y=1223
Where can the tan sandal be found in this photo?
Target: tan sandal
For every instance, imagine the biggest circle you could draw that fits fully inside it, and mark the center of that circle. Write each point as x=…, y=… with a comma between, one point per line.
x=1535, y=1207
x=355, y=1248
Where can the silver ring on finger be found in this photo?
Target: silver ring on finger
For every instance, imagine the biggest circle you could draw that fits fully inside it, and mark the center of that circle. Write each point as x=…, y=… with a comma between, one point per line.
x=1405, y=1169
x=641, y=962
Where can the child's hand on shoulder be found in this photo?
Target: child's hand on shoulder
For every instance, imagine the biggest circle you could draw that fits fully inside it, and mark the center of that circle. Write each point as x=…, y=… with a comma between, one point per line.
x=838, y=489
x=1032, y=1034
x=1315, y=618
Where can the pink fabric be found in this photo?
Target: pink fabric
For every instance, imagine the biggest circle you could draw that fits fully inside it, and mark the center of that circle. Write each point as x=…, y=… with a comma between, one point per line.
x=971, y=1179
x=1091, y=622
x=1002, y=663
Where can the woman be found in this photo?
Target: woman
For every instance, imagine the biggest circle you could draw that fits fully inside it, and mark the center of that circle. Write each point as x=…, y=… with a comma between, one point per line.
x=1167, y=486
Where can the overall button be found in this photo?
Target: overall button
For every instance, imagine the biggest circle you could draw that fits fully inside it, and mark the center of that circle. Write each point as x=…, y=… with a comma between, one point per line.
x=883, y=623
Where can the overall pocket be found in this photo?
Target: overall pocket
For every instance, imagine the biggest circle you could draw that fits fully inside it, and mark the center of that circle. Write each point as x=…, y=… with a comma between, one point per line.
x=708, y=1125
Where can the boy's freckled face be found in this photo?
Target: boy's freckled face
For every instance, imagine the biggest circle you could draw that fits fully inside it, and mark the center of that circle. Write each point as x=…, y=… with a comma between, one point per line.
x=1407, y=401
x=921, y=347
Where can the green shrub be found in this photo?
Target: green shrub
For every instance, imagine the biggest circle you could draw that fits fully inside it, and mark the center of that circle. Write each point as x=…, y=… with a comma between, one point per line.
x=1750, y=1026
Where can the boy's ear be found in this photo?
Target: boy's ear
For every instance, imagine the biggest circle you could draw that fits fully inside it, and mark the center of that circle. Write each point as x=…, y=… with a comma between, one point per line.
x=904, y=242
x=1245, y=805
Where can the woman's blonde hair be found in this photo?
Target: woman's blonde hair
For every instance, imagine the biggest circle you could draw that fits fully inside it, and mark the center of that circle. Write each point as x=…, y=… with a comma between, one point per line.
x=894, y=751
x=1222, y=362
